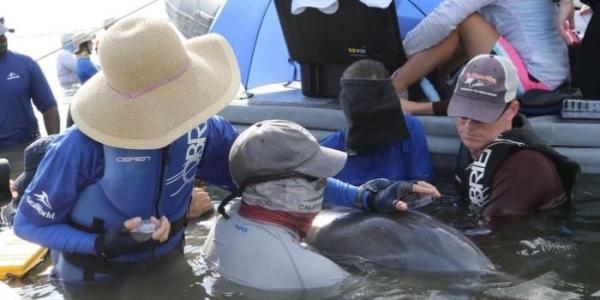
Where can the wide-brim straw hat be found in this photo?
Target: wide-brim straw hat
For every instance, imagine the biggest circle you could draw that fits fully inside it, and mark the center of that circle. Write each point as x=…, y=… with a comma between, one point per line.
x=153, y=88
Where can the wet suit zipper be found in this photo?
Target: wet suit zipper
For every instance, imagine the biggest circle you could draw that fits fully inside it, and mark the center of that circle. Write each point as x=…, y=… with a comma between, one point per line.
x=164, y=160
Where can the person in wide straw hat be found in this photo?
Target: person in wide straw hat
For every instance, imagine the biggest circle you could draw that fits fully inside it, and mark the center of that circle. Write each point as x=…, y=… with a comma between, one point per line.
x=116, y=186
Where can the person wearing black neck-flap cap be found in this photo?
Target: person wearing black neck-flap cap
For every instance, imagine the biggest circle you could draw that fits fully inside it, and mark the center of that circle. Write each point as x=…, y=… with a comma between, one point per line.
x=381, y=141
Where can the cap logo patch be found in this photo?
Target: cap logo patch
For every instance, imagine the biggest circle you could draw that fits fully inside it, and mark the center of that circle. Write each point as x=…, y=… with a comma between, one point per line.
x=475, y=81
x=478, y=80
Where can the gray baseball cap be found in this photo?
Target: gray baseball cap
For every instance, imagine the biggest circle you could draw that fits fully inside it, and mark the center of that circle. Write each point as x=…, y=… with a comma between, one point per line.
x=486, y=84
x=275, y=147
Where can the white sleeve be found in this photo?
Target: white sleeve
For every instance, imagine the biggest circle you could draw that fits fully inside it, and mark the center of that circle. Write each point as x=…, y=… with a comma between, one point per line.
x=440, y=23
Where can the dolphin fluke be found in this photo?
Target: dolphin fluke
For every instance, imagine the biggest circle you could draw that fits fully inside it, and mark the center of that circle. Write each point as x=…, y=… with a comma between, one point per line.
x=405, y=241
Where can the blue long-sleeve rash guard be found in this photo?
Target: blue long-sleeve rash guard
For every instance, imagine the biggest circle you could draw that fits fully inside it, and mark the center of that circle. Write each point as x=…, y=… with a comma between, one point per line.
x=406, y=159
x=43, y=214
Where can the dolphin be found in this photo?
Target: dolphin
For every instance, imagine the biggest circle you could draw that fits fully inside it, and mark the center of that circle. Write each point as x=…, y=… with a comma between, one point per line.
x=410, y=241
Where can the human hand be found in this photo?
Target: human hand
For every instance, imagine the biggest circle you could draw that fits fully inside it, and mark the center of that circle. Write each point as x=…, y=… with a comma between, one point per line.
x=162, y=229
x=423, y=193
x=200, y=203
x=424, y=188
x=566, y=21
x=120, y=240
x=387, y=196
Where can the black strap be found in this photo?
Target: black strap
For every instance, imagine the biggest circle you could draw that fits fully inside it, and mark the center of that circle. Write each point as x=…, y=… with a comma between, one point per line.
x=5, y=194
x=178, y=225
x=92, y=264
x=221, y=208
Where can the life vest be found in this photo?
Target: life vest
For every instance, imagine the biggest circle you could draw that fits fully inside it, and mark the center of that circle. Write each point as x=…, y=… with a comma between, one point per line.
x=141, y=183
x=474, y=179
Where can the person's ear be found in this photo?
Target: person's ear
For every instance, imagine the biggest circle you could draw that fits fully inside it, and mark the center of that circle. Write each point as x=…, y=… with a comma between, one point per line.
x=512, y=110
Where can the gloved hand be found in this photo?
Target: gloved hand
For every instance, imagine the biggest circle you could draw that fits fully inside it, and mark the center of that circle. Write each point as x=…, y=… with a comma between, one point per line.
x=119, y=240
x=383, y=194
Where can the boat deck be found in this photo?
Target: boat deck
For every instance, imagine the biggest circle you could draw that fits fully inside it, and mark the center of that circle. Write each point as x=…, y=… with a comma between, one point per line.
x=579, y=140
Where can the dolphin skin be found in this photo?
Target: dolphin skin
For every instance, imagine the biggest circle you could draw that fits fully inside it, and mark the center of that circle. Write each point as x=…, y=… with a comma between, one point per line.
x=410, y=241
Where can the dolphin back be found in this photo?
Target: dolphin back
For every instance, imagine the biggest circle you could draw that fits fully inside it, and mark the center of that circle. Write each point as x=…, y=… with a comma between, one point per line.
x=405, y=241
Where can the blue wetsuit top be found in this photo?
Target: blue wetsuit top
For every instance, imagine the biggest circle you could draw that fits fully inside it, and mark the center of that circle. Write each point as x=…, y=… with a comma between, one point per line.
x=21, y=81
x=85, y=69
x=53, y=193
x=406, y=159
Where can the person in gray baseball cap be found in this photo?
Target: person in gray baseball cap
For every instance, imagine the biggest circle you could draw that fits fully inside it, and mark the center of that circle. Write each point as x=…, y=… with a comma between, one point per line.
x=499, y=149
x=282, y=169
x=281, y=172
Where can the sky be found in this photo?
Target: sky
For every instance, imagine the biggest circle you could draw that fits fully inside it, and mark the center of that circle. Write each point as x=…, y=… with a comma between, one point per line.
x=39, y=24
x=42, y=20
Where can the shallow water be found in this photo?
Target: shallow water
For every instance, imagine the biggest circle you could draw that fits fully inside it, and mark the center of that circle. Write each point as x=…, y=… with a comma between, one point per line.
x=545, y=256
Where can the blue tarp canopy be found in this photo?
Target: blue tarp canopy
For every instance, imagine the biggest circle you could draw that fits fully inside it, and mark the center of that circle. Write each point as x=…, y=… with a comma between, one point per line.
x=253, y=30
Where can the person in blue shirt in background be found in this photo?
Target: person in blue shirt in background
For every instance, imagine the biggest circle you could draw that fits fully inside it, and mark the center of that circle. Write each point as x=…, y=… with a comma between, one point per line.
x=83, y=49
x=380, y=140
x=83, y=43
x=21, y=83
x=145, y=130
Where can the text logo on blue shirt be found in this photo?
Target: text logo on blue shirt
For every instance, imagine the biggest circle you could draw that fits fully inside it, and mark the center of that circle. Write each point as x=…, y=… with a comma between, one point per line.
x=12, y=75
x=126, y=159
x=196, y=140
x=35, y=204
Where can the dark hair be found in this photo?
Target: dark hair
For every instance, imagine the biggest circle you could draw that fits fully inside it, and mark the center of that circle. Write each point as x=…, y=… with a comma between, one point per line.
x=366, y=69
x=85, y=46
